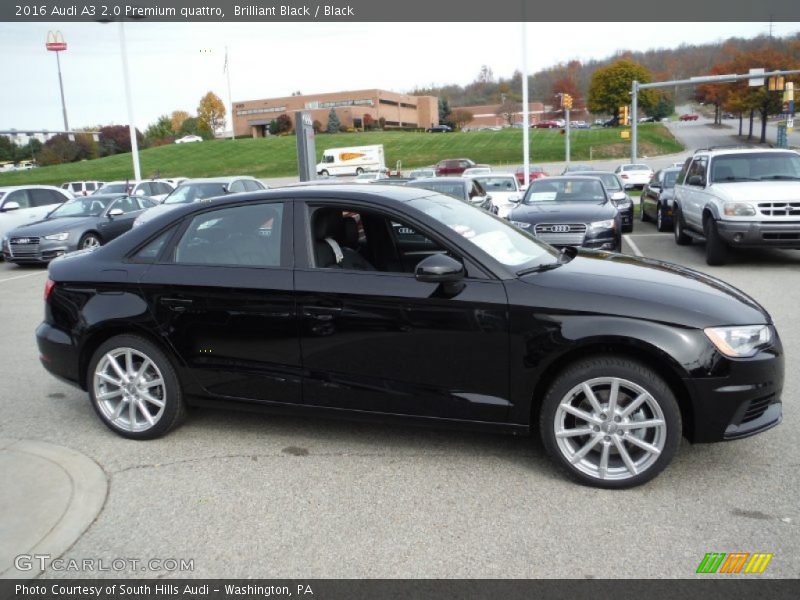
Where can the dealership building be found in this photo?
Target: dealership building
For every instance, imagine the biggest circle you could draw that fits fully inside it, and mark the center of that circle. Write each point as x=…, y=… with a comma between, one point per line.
x=252, y=117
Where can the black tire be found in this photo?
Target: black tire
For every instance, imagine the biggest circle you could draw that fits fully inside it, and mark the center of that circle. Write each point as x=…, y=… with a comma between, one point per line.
x=618, y=245
x=169, y=392
x=677, y=228
x=631, y=375
x=642, y=216
x=359, y=171
x=716, y=248
x=90, y=240
x=324, y=173
x=660, y=225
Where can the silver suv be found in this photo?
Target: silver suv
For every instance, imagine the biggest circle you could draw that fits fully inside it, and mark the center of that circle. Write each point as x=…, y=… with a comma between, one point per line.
x=738, y=197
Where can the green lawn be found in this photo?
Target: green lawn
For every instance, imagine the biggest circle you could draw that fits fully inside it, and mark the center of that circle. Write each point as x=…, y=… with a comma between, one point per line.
x=276, y=156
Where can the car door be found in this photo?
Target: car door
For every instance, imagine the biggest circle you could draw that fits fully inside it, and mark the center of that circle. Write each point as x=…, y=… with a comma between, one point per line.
x=14, y=217
x=695, y=196
x=111, y=226
x=43, y=201
x=376, y=339
x=221, y=292
x=650, y=194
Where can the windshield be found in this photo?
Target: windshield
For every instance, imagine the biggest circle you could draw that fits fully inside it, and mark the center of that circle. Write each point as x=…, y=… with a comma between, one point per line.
x=115, y=188
x=194, y=192
x=498, y=184
x=755, y=166
x=498, y=238
x=669, y=179
x=609, y=180
x=565, y=190
x=455, y=188
x=635, y=168
x=83, y=207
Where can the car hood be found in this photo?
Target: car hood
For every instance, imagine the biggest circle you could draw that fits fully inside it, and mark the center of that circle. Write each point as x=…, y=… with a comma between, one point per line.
x=758, y=191
x=156, y=211
x=51, y=226
x=580, y=212
x=642, y=288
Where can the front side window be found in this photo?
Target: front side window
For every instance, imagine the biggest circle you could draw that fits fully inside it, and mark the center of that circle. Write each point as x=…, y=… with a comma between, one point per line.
x=126, y=204
x=496, y=237
x=697, y=169
x=247, y=235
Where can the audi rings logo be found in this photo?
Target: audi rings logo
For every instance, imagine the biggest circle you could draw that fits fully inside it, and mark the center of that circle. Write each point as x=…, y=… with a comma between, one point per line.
x=559, y=228
x=55, y=42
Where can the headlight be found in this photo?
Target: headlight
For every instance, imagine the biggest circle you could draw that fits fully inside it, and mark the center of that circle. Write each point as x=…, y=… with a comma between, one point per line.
x=521, y=225
x=738, y=209
x=608, y=224
x=741, y=341
x=58, y=237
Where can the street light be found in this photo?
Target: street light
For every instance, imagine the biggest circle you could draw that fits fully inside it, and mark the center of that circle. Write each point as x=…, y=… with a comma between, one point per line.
x=55, y=43
x=137, y=172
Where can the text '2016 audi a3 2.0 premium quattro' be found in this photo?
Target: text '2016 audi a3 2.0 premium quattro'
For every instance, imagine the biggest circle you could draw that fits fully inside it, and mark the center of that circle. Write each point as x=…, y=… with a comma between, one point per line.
x=399, y=302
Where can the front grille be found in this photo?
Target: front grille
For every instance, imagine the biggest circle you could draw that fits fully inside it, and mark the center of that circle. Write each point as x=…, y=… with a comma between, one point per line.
x=561, y=234
x=757, y=408
x=23, y=247
x=779, y=209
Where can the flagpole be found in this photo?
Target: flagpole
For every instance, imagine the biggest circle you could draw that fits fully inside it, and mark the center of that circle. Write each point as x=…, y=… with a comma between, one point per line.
x=230, y=101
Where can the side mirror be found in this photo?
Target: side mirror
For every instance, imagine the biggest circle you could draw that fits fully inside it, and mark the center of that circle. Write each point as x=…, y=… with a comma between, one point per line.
x=10, y=206
x=115, y=212
x=617, y=196
x=514, y=199
x=439, y=268
x=696, y=180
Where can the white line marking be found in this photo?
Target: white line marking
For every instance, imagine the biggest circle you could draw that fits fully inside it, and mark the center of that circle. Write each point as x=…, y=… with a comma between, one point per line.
x=24, y=276
x=633, y=246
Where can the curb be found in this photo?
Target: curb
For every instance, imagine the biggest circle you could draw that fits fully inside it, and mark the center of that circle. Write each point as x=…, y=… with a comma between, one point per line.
x=84, y=487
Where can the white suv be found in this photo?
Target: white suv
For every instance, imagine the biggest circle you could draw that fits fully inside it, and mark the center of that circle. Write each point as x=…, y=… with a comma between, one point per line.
x=745, y=197
x=23, y=204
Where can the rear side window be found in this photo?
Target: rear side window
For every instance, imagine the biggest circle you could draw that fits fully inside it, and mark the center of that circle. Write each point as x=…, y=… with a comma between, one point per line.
x=44, y=197
x=235, y=187
x=247, y=235
x=252, y=186
x=77, y=186
x=151, y=251
x=20, y=197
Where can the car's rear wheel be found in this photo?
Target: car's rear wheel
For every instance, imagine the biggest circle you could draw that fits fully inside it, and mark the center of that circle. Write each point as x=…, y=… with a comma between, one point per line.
x=359, y=171
x=716, y=248
x=642, y=215
x=134, y=388
x=610, y=422
x=90, y=240
x=324, y=172
x=681, y=238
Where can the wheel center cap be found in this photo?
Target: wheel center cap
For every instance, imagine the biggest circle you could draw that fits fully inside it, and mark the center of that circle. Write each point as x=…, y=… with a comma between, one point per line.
x=608, y=427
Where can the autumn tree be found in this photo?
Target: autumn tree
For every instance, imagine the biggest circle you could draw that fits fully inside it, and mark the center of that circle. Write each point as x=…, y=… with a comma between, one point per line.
x=177, y=118
x=211, y=112
x=117, y=138
x=161, y=130
x=460, y=117
x=610, y=87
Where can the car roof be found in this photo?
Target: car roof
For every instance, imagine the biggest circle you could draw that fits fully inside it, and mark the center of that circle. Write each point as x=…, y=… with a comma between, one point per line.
x=546, y=180
x=440, y=179
x=30, y=186
x=226, y=179
x=742, y=150
x=593, y=173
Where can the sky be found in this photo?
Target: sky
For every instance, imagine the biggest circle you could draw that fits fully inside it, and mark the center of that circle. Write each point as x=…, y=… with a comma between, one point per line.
x=172, y=65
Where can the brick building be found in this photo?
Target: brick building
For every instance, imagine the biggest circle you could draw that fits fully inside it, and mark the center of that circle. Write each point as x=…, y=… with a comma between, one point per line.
x=252, y=117
x=485, y=115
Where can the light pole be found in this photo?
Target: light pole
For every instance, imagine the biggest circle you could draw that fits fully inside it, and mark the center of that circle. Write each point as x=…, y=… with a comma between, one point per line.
x=55, y=43
x=137, y=172
x=526, y=125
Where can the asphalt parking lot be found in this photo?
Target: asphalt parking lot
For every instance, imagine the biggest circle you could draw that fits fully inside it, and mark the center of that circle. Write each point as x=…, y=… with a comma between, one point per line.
x=248, y=495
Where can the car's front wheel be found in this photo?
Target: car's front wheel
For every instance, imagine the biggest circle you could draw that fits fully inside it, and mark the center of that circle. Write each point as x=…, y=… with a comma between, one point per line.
x=660, y=223
x=90, y=240
x=610, y=422
x=681, y=237
x=716, y=248
x=134, y=388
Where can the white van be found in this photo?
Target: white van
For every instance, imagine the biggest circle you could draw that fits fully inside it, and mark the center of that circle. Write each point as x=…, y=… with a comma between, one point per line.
x=351, y=161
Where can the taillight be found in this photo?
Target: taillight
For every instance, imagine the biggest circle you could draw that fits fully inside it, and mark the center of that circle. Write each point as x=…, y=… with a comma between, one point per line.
x=48, y=289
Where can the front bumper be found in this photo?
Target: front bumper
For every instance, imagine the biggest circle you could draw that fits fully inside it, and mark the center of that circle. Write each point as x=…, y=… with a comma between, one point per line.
x=760, y=233
x=743, y=401
x=42, y=252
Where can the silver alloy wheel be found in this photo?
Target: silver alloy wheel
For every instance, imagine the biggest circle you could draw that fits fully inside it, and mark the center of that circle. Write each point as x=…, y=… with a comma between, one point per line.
x=129, y=389
x=610, y=428
x=90, y=242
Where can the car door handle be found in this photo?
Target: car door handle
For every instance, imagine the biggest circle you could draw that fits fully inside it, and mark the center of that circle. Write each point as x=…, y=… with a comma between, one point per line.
x=321, y=312
x=177, y=304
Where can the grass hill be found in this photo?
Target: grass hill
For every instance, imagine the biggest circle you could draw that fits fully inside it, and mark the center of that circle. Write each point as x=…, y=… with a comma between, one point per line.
x=277, y=156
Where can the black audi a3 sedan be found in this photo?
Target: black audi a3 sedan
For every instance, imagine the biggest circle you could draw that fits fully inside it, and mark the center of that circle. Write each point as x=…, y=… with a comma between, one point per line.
x=570, y=211
x=400, y=302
